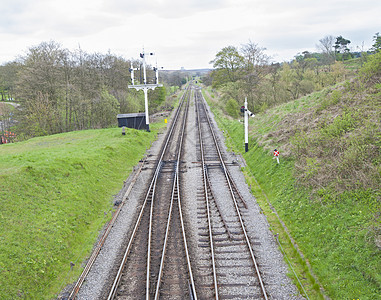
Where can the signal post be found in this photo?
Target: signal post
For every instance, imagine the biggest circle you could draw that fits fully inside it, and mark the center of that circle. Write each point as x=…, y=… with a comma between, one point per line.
x=145, y=87
x=247, y=113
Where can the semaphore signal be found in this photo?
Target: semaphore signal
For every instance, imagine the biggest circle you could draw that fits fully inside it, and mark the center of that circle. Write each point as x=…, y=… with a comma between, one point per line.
x=145, y=87
x=247, y=113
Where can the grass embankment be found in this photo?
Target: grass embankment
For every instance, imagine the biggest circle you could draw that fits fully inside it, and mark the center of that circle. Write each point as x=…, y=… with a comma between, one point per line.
x=335, y=222
x=56, y=194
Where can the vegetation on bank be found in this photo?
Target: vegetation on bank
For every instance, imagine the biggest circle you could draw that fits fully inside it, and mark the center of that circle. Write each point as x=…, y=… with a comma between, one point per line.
x=326, y=188
x=60, y=90
x=248, y=72
x=56, y=194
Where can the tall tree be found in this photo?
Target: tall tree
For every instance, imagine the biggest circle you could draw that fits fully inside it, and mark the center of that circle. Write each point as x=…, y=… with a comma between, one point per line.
x=376, y=42
x=341, y=46
x=41, y=77
x=326, y=47
x=227, y=63
x=8, y=79
x=253, y=70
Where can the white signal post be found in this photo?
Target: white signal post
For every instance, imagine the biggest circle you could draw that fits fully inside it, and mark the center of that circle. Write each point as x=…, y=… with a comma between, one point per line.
x=246, y=128
x=247, y=113
x=145, y=87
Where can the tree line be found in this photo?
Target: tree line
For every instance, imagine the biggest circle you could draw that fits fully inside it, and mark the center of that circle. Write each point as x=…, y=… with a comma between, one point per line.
x=246, y=71
x=60, y=90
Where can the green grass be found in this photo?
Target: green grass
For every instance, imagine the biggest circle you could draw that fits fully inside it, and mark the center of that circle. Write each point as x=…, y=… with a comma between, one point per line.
x=353, y=64
x=336, y=238
x=56, y=194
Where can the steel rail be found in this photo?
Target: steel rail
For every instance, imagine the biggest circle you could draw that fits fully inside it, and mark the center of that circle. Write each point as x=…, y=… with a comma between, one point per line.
x=193, y=287
x=153, y=181
x=248, y=243
x=167, y=227
x=150, y=238
x=174, y=190
x=102, y=240
x=236, y=189
x=204, y=176
x=157, y=290
x=120, y=270
x=218, y=206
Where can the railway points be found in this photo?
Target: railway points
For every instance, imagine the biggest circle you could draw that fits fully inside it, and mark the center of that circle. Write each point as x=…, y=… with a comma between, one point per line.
x=190, y=228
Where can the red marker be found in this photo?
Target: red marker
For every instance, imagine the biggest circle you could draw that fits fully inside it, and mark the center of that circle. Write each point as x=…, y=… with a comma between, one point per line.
x=276, y=155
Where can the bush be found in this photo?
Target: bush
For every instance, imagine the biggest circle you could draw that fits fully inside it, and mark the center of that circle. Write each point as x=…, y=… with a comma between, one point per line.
x=341, y=124
x=232, y=108
x=371, y=71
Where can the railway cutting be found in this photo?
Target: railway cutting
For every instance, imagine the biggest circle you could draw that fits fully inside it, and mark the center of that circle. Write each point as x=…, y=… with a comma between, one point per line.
x=189, y=227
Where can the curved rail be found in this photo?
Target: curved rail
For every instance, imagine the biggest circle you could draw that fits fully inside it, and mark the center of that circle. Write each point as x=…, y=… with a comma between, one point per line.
x=102, y=240
x=175, y=193
x=150, y=195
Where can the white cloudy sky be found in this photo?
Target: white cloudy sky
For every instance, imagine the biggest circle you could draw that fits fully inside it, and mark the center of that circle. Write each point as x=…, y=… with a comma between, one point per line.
x=184, y=33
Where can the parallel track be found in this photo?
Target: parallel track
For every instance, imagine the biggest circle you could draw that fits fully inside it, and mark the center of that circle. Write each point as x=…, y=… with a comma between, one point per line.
x=152, y=264
x=156, y=263
x=234, y=267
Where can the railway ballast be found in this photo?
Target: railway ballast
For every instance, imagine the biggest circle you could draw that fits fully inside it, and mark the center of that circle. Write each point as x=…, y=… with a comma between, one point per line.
x=189, y=229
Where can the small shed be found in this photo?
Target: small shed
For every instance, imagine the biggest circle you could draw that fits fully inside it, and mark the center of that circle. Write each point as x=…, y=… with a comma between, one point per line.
x=136, y=120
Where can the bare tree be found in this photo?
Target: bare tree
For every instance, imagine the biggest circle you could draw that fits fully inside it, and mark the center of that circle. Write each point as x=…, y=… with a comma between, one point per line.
x=326, y=47
x=60, y=90
x=254, y=70
x=254, y=55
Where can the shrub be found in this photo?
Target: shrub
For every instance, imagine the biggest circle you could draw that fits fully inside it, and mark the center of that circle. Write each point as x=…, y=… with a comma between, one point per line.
x=371, y=71
x=331, y=100
x=232, y=108
x=341, y=124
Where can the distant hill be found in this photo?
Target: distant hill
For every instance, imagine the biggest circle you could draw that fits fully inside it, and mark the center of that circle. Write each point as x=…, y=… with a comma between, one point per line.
x=193, y=72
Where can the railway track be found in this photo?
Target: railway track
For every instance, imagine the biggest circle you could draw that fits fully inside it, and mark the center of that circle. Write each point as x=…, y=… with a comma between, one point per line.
x=235, y=271
x=156, y=261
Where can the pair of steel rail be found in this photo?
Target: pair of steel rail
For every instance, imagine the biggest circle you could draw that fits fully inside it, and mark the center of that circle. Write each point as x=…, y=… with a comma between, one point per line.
x=233, y=192
x=175, y=198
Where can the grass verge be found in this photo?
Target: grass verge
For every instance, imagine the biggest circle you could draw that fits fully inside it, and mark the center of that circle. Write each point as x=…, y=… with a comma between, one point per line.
x=335, y=239
x=56, y=193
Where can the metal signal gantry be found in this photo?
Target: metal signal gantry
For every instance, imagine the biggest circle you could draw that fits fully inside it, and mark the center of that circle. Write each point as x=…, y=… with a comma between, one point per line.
x=145, y=87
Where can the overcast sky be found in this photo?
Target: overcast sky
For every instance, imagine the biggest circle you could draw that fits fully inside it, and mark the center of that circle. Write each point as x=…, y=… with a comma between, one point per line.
x=184, y=33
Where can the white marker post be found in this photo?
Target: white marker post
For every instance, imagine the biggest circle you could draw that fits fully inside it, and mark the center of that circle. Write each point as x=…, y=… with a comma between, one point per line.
x=247, y=113
x=246, y=128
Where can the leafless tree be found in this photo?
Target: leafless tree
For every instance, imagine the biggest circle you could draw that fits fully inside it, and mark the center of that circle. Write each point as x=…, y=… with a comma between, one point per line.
x=61, y=90
x=326, y=47
x=254, y=70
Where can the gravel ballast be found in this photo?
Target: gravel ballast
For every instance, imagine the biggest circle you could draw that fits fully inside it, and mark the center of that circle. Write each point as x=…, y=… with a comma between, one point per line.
x=274, y=269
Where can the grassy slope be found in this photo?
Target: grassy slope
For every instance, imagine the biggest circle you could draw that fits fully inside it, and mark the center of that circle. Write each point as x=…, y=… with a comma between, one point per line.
x=54, y=192
x=336, y=237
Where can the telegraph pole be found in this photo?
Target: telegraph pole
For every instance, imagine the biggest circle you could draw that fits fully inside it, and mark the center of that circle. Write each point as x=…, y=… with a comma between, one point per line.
x=145, y=87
